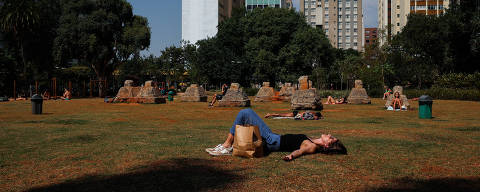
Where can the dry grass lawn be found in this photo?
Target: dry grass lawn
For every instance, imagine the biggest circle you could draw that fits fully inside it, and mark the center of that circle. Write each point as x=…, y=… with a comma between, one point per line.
x=89, y=145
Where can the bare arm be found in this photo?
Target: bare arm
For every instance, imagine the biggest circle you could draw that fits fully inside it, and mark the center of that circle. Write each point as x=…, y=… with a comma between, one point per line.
x=307, y=147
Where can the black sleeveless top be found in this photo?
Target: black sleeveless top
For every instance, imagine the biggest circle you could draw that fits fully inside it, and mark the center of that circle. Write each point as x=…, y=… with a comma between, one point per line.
x=291, y=142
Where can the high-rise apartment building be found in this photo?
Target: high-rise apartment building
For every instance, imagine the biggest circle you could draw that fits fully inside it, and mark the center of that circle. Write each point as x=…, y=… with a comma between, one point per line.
x=370, y=36
x=252, y=4
x=342, y=20
x=392, y=14
x=225, y=8
x=200, y=18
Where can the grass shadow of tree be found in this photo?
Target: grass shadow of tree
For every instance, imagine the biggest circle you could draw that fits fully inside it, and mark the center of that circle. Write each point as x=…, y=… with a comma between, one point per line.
x=173, y=175
x=447, y=184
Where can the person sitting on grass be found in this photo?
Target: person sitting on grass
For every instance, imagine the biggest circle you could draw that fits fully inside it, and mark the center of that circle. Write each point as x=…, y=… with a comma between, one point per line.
x=397, y=101
x=387, y=93
x=332, y=101
x=67, y=95
x=219, y=97
x=46, y=95
x=297, y=144
x=307, y=115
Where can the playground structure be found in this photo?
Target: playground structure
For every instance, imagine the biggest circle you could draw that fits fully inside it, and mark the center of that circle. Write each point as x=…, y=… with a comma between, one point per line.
x=55, y=87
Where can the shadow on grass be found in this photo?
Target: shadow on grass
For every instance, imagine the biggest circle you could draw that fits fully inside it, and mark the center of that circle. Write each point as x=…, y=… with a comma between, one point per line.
x=437, y=184
x=466, y=129
x=172, y=175
x=61, y=122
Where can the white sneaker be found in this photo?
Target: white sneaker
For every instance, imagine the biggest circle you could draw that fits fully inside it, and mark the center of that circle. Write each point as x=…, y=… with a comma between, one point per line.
x=221, y=151
x=208, y=150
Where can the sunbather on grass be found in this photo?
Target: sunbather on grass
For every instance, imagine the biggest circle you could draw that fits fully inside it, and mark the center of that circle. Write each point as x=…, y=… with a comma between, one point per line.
x=307, y=115
x=297, y=144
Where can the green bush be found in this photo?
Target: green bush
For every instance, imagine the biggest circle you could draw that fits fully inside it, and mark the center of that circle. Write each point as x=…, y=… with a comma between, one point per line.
x=251, y=91
x=376, y=92
x=445, y=93
x=333, y=93
x=458, y=81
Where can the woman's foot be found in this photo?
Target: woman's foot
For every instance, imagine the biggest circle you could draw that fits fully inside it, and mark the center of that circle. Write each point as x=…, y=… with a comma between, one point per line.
x=220, y=150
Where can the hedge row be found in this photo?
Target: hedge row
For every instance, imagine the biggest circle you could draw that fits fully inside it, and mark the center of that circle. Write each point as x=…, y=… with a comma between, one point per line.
x=458, y=81
x=445, y=93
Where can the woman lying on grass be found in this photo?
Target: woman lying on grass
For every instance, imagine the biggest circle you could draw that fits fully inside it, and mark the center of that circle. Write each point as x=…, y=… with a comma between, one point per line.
x=298, y=144
x=307, y=115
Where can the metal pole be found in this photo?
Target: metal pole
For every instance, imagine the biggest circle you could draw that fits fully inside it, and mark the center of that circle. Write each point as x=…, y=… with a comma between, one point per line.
x=91, y=93
x=14, y=90
x=83, y=88
x=55, y=87
x=36, y=87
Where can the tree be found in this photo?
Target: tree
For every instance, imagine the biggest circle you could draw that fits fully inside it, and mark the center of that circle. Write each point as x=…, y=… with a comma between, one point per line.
x=422, y=39
x=262, y=45
x=462, y=21
x=100, y=34
x=19, y=17
x=173, y=63
x=135, y=37
x=308, y=50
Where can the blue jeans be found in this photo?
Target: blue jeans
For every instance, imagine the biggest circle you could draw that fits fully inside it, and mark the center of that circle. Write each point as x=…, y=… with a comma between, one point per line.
x=249, y=117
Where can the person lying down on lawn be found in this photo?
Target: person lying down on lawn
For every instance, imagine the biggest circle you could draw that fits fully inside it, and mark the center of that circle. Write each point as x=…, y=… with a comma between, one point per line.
x=307, y=115
x=297, y=144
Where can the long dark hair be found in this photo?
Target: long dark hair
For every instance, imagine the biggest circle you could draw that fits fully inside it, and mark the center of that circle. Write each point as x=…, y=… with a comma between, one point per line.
x=336, y=147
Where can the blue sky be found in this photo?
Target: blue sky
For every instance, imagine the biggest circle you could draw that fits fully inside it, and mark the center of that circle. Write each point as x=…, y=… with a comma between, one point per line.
x=165, y=19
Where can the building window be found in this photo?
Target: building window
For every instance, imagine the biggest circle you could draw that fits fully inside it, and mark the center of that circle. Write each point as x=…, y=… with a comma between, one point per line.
x=398, y=6
x=398, y=15
x=421, y=7
x=398, y=24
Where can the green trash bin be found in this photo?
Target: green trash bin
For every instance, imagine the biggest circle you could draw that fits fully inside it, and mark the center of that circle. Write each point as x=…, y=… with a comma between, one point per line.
x=425, y=107
x=170, y=95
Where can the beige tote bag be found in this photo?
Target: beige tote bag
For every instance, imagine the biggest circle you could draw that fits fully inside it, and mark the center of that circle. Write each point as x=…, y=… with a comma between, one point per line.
x=247, y=141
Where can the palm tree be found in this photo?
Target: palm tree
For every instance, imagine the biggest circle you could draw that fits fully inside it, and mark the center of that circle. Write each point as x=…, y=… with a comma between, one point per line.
x=19, y=17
